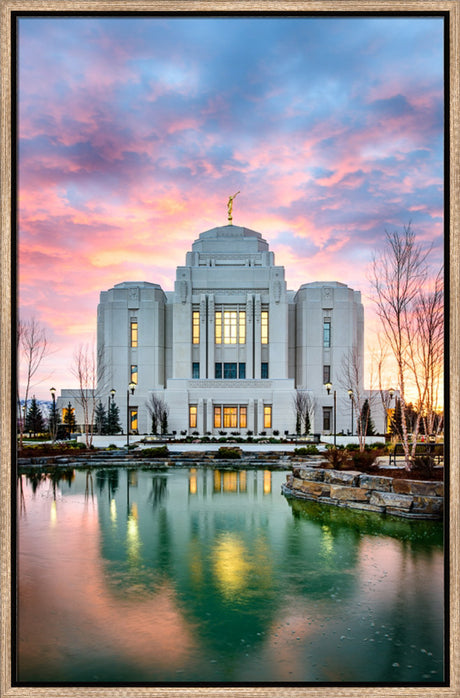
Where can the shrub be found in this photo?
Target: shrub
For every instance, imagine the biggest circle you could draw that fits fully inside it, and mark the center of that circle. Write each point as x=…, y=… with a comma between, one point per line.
x=338, y=457
x=159, y=452
x=306, y=451
x=112, y=447
x=377, y=445
x=249, y=432
x=352, y=447
x=423, y=464
x=365, y=459
x=276, y=432
x=228, y=453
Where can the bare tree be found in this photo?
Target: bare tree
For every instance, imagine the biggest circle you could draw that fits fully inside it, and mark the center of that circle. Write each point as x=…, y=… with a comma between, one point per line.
x=32, y=348
x=89, y=373
x=379, y=359
x=304, y=407
x=159, y=413
x=397, y=276
x=427, y=351
x=351, y=380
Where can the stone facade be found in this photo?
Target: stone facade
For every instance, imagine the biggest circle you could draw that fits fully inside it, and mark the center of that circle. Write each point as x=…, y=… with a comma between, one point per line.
x=229, y=347
x=355, y=490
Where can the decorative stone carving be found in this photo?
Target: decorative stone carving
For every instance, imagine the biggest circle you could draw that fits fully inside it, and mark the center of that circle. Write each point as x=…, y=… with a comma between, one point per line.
x=133, y=297
x=249, y=309
x=258, y=305
x=211, y=309
x=327, y=297
x=183, y=290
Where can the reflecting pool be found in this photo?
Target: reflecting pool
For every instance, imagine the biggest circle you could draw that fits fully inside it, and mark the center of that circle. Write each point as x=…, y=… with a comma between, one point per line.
x=201, y=575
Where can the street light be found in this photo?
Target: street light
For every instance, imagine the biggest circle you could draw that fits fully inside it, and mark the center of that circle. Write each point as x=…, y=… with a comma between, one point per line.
x=130, y=388
x=391, y=393
x=112, y=395
x=53, y=395
x=69, y=416
x=328, y=388
x=350, y=395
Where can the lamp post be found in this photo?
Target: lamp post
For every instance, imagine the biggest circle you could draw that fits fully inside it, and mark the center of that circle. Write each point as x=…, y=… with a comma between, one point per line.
x=328, y=388
x=54, y=427
x=130, y=388
x=69, y=417
x=112, y=395
x=391, y=393
x=350, y=395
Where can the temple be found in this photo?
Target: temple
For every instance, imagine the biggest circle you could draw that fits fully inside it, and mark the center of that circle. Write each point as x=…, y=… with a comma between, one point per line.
x=230, y=348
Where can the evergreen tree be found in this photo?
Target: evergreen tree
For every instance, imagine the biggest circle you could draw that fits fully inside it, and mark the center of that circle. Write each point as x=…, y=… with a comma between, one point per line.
x=100, y=418
x=113, y=419
x=69, y=419
x=395, y=421
x=367, y=425
x=298, y=426
x=307, y=424
x=54, y=422
x=35, y=422
x=154, y=424
x=164, y=422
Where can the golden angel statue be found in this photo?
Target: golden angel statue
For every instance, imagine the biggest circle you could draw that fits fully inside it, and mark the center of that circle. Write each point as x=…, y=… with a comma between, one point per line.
x=230, y=206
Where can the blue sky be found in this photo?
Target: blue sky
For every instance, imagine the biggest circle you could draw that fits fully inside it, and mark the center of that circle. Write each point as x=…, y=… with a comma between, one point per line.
x=134, y=132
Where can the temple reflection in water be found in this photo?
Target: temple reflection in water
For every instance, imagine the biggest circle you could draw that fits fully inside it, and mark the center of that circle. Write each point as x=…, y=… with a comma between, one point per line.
x=202, y=574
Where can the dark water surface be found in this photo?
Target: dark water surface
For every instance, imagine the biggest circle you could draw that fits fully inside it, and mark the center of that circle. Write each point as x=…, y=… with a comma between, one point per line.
x=204, y=575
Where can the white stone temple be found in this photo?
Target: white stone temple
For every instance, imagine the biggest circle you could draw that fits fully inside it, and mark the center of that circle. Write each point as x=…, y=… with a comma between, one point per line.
x=230, y=347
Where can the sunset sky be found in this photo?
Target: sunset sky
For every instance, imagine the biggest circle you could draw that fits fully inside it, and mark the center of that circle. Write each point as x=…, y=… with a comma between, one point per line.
x=133, y=132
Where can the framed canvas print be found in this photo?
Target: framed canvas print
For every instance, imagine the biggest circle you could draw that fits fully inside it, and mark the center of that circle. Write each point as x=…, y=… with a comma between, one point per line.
x=230, y=348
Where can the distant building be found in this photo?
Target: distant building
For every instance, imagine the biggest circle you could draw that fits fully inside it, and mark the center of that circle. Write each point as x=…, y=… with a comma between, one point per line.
x=229, y=348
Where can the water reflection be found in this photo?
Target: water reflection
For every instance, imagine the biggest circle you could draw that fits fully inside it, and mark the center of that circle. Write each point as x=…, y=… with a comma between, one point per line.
x=212, y=575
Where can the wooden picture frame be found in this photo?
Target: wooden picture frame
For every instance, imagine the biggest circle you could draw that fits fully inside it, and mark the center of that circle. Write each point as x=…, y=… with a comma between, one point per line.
x=7, y=336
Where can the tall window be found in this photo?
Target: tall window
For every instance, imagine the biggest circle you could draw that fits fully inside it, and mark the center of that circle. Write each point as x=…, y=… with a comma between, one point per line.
x=327, y=334
x=326, y=374
x=133, y=374
x=195, y=369
x=267, y=416
x=218, y=319
x=196, y=327
x=264, y=369
x=230, y=417
x=134, y=333
x=233, y=416
x=327, y=415
x=229, y=370
x=264, y=327
x=192, y=416
x=242, y=327
x=133, y=419
x=230, y=327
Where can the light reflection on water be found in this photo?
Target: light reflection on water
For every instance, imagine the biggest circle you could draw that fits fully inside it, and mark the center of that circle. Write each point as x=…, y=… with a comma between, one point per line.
x=209, y=575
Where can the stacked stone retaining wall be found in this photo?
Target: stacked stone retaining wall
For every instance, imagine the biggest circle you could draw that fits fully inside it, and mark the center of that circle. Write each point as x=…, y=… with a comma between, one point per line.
x=350, y=488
